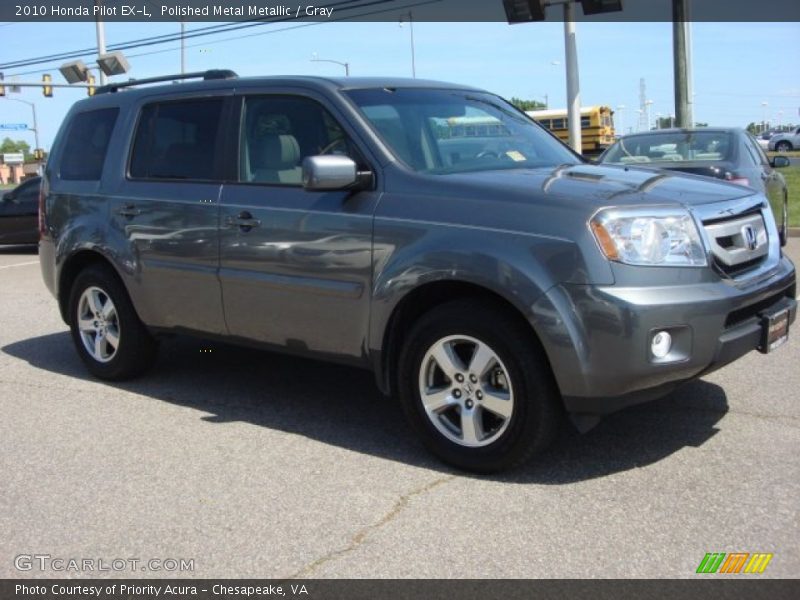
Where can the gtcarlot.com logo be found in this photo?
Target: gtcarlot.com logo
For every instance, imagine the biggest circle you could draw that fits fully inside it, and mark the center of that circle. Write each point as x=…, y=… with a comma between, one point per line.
x=47, y=562
x=734, y=563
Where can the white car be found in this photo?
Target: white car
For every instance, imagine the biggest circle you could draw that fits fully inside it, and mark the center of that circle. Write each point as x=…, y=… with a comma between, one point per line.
x=786, y=141
x=764, y=138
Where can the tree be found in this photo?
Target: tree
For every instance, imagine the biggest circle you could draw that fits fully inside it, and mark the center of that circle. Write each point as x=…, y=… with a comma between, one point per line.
x=9, y=146
x=528, y=104
x=753, y=128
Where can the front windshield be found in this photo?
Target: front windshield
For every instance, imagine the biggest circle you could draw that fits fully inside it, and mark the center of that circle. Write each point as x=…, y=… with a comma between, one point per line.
x=671, y=146
x=447, y=131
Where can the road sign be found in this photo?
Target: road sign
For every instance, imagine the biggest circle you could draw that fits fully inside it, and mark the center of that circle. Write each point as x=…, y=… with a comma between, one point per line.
x=14, y=126
x=14, y=158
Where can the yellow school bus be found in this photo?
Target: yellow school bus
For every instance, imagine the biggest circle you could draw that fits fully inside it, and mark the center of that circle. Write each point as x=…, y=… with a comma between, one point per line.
x=597, y=126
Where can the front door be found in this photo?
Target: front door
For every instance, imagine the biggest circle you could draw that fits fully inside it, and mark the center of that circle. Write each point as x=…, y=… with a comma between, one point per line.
x=295, y=265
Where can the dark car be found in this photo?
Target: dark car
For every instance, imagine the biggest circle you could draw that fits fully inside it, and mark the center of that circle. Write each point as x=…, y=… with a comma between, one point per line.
x=491, y=278
x=19, y=209
x=724, y=153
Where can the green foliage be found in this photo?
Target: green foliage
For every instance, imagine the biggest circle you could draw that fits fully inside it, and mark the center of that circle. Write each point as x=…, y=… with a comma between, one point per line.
x=527, y=104
x=9, y=146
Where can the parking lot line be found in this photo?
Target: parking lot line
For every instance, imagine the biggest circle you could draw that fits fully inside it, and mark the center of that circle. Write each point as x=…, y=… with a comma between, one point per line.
x=25, y=264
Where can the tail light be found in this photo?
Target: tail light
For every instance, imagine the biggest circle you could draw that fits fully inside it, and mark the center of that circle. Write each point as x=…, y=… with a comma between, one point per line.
x=737, y=179
x=42, y=220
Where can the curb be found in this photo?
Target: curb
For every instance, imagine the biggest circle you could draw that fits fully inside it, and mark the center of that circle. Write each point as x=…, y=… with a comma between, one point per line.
x=794, y=232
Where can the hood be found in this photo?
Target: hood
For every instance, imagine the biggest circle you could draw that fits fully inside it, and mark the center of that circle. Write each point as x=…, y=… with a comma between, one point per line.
x=594, y=186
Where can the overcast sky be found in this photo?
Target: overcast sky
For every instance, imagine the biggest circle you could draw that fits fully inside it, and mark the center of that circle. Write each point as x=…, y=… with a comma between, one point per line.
x=737, y=66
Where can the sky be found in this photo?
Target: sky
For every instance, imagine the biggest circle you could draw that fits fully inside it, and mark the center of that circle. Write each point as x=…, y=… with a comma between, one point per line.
x=737, y=66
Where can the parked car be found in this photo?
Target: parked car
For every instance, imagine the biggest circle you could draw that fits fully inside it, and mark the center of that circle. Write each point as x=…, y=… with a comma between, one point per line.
x=785, y=141
x=18, y=213
x=492, y=283
x=763, y=139
x=723, y=153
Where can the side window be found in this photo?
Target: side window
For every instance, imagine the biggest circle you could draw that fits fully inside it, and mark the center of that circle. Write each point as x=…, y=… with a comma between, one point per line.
x=87, y=141
x=278, y=132
x=30, y=195
x=177, y=140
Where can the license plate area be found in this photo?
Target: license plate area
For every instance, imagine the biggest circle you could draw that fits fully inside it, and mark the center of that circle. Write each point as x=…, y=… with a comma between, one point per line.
x=774, y=331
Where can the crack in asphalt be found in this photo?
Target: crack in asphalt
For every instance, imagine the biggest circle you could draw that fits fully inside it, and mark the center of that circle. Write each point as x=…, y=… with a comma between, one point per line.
x=361, y=535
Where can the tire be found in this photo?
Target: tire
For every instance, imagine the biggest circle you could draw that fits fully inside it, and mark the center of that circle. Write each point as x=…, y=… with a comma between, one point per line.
x=125, y=348
x=517, y=383
x=783, y=146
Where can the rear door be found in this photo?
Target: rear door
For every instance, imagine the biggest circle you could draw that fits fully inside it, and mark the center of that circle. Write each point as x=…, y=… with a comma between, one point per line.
x=295, y=266
x=164, y=215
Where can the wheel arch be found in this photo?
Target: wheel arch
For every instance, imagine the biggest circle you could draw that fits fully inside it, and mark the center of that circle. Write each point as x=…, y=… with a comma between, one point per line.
x=425, y=298
x=72, y=267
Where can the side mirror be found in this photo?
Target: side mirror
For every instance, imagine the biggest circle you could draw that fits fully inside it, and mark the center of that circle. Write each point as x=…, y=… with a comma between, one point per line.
x=779, y=162
x=332, y=172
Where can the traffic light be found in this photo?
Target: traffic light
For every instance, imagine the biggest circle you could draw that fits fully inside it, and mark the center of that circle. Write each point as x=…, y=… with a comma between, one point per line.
x=38, y=154
x=90, y=81
x=47, y=90
x=2, y=87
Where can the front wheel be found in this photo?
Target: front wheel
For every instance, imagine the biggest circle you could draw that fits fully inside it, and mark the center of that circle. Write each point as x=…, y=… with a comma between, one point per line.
x=783, y=146
x=477, y=387
x=107, y=333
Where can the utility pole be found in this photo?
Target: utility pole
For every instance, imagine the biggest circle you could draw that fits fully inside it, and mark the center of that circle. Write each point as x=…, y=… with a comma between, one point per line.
x=682, y=50
x=573, y=79
x=101, y=37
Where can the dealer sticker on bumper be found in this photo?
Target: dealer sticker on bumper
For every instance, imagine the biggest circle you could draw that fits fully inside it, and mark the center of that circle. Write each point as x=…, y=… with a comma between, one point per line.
x=775, y=331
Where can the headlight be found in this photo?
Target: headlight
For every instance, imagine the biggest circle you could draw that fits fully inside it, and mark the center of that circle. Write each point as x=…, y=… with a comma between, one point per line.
x=649, y=236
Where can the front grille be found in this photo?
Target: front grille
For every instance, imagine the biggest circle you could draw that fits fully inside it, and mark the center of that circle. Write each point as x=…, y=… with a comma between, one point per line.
x=738, y=243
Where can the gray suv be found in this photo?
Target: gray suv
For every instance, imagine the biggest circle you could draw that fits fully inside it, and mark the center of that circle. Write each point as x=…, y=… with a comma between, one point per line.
x=492, y=279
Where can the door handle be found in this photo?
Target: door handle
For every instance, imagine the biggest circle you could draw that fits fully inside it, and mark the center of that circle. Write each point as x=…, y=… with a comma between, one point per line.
x=244, y=221
x=129, y=210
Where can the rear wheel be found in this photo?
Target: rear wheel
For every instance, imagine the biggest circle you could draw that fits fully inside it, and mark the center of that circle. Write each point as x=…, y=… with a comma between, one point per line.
x=783, y=146
x=107, y=333
x=477, y=387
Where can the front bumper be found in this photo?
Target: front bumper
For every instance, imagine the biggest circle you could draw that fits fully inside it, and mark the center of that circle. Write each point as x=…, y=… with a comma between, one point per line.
x=598, y=338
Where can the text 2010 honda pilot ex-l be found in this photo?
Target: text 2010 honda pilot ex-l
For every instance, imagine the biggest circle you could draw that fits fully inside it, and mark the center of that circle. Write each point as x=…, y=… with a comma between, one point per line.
x=492, y=279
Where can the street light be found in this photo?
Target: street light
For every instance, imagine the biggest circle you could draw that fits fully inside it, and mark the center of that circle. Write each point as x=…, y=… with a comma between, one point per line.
x=75, y=71
x=113, y=63
x=764, y=106
x=524, y=11
x=647, y=105
x=337, y=62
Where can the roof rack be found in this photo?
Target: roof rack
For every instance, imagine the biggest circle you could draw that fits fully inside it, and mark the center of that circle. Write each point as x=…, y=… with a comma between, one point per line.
x=205, y=75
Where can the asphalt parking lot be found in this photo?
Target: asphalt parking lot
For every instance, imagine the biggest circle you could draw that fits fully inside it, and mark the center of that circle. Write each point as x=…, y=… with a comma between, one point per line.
x=258, y=465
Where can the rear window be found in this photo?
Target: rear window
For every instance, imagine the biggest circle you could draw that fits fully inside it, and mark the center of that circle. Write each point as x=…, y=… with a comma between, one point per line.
x=177, y=140
x=87, y=141
x=672, y=146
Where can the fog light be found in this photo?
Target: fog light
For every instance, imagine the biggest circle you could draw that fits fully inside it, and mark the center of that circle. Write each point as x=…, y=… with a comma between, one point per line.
x=661, y=344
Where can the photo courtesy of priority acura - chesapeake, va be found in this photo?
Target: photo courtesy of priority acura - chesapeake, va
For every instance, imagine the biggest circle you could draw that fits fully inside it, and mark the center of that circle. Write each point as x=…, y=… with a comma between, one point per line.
x=495, y=283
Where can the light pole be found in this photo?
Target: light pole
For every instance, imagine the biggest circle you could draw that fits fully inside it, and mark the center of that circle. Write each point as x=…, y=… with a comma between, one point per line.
x=337, y=62
x=573, y=79
x=101, y=36
x=764, y=106
x=647, y=106
x=35, y=129
x=639, y=120
x=621, y=112
x=413, y=50
x=183, y=47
